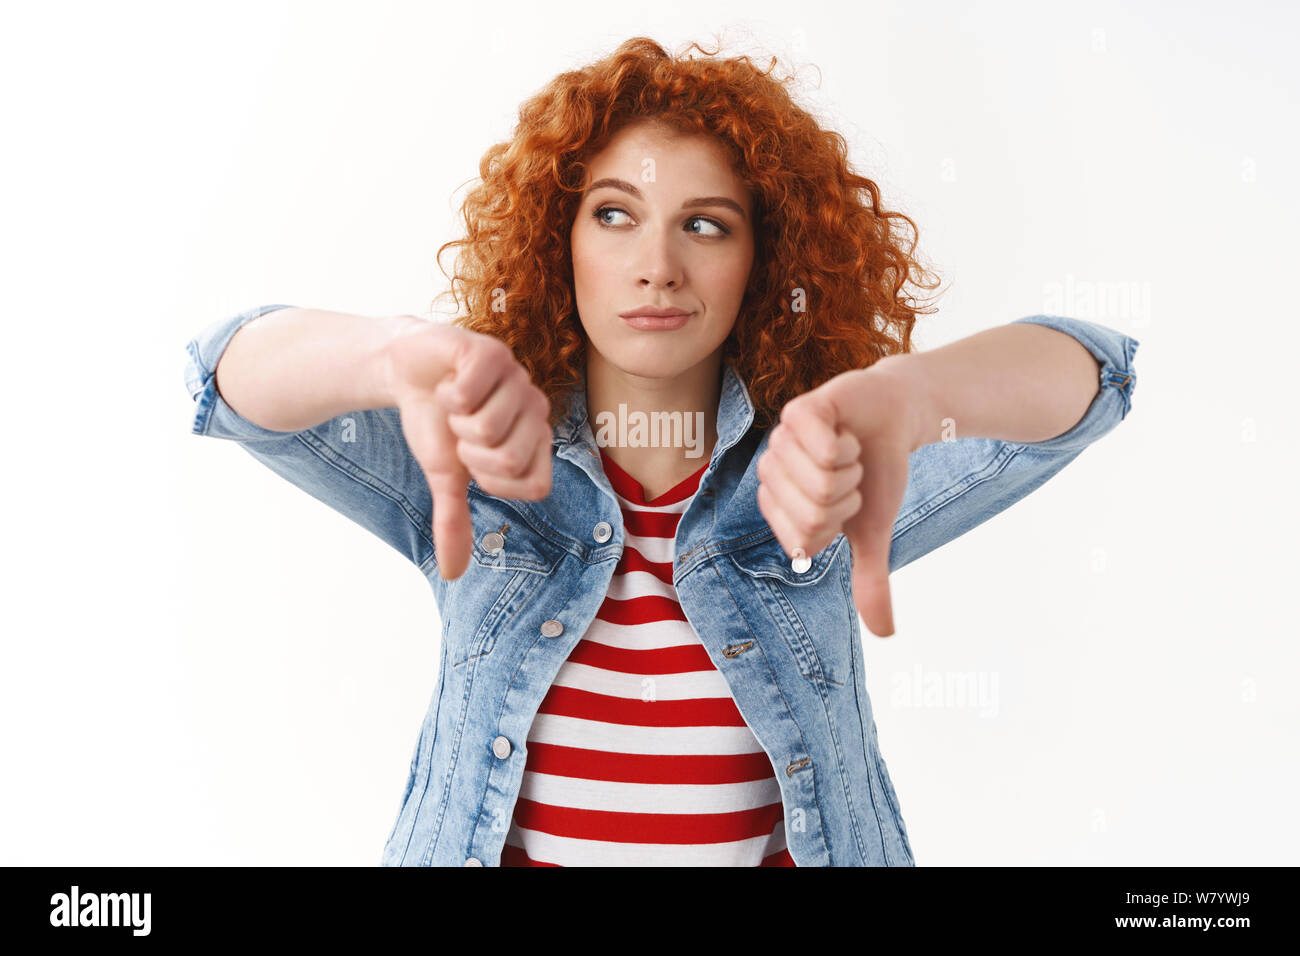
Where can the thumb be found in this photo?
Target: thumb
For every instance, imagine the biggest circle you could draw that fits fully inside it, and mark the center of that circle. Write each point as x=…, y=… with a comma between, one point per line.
x=871, y=594
x=453, y=532
x=871, y=530
x=453, y=529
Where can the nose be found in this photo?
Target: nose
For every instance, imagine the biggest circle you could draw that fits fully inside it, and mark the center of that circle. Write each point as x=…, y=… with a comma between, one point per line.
x=658, y=262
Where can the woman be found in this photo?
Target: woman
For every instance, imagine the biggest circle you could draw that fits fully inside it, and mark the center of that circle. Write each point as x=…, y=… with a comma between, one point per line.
x=676, y=435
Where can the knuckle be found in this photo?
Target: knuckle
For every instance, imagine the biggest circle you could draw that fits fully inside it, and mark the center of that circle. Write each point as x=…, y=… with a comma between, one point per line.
x=493, y=432
x=512, y=462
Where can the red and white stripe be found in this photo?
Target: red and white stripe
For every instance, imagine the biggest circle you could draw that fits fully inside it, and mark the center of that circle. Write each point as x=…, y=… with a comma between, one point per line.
x=638, y=755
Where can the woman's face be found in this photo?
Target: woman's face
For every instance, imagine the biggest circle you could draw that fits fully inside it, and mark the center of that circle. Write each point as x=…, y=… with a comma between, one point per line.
x=664, y=223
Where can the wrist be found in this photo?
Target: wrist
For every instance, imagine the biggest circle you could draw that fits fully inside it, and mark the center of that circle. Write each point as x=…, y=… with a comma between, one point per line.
x=398, y=327
x=909, y=379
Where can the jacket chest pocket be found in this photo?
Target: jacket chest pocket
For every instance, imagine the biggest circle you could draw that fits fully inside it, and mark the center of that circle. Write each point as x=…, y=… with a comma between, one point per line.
x=812, y=609
x=510, y=561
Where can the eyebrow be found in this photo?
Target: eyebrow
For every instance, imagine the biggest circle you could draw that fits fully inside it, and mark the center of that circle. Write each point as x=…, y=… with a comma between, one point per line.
x=624, y=186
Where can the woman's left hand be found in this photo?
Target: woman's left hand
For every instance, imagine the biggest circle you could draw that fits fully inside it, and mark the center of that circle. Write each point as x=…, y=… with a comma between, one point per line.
x=837, y=461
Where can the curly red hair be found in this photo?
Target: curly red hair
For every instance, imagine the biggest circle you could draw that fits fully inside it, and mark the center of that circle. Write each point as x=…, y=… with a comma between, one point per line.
x=822, y=239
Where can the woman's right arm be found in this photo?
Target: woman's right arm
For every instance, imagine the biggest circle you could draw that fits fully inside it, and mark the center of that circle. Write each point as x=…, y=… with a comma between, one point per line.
x=355, y=461
x=351, y=410
x=292, y=369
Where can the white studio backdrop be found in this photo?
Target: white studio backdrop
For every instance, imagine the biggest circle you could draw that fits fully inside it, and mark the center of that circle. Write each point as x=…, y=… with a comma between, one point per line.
x=204, y=665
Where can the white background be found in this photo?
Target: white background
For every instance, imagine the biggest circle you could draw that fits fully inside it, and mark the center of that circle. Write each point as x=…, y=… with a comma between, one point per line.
x=204, y=665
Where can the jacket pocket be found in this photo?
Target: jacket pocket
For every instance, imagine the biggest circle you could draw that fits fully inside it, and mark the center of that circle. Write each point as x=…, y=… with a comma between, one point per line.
x=807, y=606
x=511, y=560
x=504, y=540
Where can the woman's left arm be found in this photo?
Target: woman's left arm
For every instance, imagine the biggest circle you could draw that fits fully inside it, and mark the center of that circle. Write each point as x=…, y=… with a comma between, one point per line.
x=989, y=432
x=1028, y=382
x=937, y=442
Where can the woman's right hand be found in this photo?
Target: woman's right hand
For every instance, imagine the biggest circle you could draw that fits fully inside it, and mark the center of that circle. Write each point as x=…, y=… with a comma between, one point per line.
x=468, y=409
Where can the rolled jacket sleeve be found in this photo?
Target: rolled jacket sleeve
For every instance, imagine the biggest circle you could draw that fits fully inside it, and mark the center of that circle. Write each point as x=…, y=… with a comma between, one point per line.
x=212, y=416
x=1115, y=351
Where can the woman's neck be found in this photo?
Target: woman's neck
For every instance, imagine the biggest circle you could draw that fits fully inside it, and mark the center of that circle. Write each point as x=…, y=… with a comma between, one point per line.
x=621, y=409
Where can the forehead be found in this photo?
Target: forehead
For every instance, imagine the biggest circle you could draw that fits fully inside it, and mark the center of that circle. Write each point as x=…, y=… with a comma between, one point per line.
x=698, y=155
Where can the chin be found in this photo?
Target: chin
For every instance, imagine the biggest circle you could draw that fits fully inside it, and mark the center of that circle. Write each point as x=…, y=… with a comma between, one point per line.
x=656, y=366
x=652, y=355
x=663, y=359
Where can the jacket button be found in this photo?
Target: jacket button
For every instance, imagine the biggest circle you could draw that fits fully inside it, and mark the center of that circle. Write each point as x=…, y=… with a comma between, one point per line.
x=473, y=861
x=501, y=747
x=552, y=628
x=602, y=532
x=493, y=542
x=801, y=564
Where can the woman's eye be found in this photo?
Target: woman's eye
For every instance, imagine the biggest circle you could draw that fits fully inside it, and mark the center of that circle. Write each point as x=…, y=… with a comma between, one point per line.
x=709, y=222
x=600, y=212
x=720, y=230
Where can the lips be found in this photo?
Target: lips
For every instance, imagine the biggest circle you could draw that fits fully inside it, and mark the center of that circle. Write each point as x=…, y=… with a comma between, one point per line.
x=650, y=311
x=656, y=320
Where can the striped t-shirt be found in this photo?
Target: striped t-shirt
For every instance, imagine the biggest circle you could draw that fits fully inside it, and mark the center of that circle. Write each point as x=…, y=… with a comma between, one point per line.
x=638, y=754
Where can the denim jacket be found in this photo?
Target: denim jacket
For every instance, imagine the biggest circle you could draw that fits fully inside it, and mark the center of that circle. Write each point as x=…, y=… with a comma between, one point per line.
x=787, y=642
